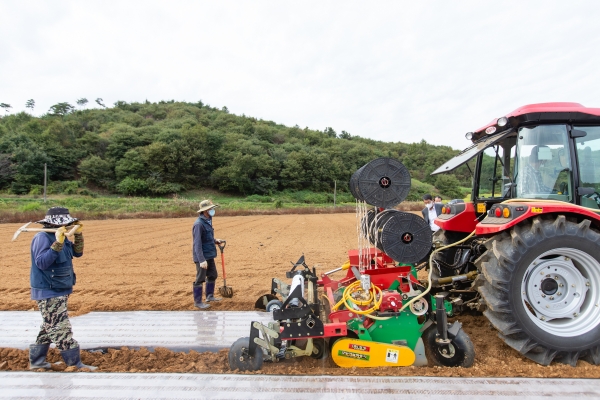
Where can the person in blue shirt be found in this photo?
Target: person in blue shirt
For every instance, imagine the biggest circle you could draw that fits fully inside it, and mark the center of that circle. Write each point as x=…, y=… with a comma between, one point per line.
x=52, y=278
x=204, y=252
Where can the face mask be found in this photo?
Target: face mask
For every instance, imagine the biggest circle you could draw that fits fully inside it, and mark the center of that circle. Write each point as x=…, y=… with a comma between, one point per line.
x=211, y=213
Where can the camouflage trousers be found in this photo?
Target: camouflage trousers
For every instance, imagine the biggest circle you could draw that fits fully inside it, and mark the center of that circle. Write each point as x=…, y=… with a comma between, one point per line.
x=56, y=327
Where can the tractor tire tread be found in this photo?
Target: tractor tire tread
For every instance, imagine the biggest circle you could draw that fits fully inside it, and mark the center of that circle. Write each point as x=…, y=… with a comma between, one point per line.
x=498, y=264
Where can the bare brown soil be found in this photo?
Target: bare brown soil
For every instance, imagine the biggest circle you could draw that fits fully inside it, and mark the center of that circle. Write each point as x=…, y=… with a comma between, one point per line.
x=146, y=265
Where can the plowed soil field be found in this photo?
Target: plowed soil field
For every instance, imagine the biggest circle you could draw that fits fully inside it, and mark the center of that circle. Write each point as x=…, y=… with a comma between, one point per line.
x=146, y=264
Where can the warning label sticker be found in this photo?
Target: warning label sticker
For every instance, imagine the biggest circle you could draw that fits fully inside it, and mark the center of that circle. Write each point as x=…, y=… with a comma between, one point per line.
x=354, y=346
x=356, y=356
x=537, y=210
x=391, y=356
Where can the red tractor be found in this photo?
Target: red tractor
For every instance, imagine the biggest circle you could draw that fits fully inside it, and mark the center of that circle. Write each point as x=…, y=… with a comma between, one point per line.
x=531, y=262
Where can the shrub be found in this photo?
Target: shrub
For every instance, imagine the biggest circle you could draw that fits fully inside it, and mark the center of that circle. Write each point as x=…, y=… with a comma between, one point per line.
x=132, y=186
x=34, y=206
x=36, y=190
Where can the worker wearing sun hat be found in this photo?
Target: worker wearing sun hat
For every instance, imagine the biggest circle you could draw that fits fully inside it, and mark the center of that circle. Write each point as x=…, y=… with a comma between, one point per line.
x=52, y=278
x=204, y=252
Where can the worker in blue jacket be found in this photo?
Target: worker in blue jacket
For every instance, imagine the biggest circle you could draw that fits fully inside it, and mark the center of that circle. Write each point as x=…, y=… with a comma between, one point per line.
x=204, y=252
x=52, y=278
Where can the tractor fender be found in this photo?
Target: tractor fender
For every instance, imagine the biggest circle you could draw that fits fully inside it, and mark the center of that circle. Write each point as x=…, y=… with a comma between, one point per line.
x=520, y=212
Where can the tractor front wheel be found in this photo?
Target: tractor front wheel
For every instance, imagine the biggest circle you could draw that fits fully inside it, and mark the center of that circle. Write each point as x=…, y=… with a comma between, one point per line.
x=542, y=289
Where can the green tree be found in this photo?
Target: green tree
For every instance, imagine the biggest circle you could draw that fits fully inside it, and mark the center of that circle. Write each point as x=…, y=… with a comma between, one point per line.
x=30, y=104
x=61, y=109
x=6, y=107
x=7, y=170
x=82, y=102
x=97, y=170
x=132, y=165
x=330, y=132
x=449, y=186
x=100, y=102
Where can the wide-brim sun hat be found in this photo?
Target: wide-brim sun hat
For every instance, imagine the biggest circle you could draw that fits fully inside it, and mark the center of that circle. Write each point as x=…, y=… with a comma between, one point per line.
x=58, y=216
x=206, y=205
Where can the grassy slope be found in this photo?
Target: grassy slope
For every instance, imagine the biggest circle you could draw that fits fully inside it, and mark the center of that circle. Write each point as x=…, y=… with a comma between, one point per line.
x=28, y=208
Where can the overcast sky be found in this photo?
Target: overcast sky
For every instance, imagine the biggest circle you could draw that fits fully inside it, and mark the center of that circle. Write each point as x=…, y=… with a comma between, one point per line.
x=393, y=71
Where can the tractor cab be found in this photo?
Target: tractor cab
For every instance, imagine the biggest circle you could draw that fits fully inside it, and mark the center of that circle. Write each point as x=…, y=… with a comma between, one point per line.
x=545, y=151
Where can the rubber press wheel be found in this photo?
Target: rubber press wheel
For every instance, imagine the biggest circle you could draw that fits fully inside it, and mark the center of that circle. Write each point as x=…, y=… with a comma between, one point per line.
x=274, y=305
x=240, y=359
x=318, y=348
x=460, y=352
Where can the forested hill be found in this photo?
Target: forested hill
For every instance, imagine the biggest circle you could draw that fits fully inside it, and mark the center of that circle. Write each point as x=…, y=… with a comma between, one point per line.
x=168, y=147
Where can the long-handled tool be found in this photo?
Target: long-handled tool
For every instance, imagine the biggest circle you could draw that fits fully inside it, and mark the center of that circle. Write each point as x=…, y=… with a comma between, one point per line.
x=25, y=228
x=225, y=291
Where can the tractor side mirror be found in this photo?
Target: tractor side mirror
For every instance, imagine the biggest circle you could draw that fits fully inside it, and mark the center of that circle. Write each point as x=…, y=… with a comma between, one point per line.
x=576, y=133
x=582, y=191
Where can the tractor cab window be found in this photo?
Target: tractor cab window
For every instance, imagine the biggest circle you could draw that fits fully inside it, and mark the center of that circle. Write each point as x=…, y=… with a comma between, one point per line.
x=497, y=163
x=588, y=155
x=543, y=166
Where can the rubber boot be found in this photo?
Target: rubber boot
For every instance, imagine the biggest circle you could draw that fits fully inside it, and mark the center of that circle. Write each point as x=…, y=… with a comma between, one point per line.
x=198, y=298
x=72, y=358
x=37, y=356
x=210, y=292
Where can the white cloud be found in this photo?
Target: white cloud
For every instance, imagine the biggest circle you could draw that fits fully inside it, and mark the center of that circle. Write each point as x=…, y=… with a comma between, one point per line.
x=394, y=71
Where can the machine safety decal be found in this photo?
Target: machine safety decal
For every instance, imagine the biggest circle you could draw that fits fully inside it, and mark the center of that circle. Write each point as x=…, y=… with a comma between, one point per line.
x=359, y=347
x=356, y=356
x=480, y=207
x=537, y=210
x=391, y=356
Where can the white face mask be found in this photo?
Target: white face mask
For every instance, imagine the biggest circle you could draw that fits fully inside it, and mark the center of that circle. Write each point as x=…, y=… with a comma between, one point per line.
x=211, y=212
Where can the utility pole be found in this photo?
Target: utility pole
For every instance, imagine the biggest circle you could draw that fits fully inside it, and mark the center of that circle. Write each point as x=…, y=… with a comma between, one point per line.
x=45, y=176
x=334, y=192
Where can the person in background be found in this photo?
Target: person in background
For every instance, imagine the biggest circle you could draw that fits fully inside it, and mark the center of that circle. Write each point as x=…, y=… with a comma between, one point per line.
x=52, y=279
x=204, y=252
x=437, y=199
x=431, y=211
x=532, y=181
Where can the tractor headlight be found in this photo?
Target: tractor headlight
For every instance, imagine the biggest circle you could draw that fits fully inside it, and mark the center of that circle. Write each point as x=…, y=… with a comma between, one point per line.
x=502, y=121
x=469, y=135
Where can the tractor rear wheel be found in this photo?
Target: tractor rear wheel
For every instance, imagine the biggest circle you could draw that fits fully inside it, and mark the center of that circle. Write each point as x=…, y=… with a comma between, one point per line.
x=542, y=289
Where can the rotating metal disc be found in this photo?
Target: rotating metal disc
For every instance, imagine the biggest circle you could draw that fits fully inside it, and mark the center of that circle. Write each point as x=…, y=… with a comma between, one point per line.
x=406, y=238
x=383, y=182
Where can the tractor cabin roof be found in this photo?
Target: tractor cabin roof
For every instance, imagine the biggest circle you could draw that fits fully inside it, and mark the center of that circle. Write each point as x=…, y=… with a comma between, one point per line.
x=499, y=128
x=544, y=113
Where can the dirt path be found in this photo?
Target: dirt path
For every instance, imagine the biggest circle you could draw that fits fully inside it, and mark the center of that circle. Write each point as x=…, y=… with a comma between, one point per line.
x=146, y=265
